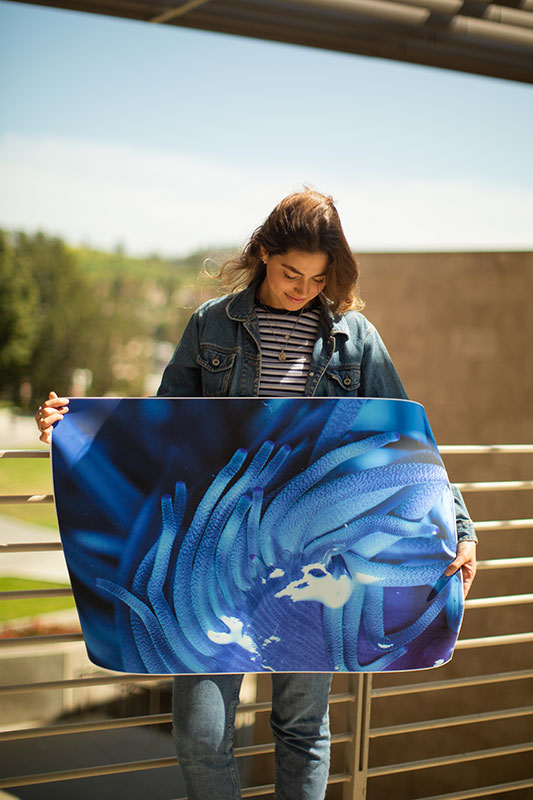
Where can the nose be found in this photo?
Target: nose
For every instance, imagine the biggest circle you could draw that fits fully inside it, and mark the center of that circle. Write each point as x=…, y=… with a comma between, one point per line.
x=301, y=288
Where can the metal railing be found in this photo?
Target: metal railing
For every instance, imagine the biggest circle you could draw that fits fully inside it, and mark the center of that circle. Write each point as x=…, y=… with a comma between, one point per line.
x=356, y=739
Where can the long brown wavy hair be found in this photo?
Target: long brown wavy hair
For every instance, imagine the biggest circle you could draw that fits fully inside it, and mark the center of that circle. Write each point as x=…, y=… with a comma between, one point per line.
x=306, y=221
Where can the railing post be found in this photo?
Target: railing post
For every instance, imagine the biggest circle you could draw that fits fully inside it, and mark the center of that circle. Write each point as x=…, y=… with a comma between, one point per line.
x=359, y=726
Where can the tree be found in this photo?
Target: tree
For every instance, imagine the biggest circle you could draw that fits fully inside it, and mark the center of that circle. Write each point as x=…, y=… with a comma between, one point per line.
x=52, y=322
x=19, y=301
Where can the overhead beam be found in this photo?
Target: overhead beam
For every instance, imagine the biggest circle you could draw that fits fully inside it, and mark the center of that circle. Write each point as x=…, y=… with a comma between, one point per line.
x=179, y=11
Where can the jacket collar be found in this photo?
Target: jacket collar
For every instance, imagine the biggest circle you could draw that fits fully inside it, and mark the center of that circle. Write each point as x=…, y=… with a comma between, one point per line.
x=241, y=308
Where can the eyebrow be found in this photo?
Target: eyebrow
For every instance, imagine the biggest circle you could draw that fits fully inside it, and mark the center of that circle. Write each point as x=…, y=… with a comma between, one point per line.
x=288, y=266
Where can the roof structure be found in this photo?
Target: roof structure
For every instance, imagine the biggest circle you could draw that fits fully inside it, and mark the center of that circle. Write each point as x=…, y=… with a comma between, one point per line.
x=476, y=36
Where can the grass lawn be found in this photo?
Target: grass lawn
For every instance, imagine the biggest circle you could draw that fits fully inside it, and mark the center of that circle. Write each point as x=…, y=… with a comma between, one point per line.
x=28, y=476
x=31, y=607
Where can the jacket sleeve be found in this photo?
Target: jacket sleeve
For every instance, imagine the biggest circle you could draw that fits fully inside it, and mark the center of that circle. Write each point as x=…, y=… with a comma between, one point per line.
x=182, y=375
x=380, y=379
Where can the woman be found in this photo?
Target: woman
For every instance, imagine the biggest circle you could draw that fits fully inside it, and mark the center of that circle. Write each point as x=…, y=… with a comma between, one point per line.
x=289, y=327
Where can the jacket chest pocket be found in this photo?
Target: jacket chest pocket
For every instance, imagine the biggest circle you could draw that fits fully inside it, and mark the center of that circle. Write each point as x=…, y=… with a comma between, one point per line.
x=343, y=381
x=217, y=368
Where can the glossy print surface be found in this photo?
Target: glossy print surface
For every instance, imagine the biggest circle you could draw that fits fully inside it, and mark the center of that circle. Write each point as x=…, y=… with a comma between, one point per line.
x=252, y=535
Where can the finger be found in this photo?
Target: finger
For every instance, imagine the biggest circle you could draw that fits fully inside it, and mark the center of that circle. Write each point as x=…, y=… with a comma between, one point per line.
x=456, y=564
x=467, y=583
x=55, y=402
x=47, y=420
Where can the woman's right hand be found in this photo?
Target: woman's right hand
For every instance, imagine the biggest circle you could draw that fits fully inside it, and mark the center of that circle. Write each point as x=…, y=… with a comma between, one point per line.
x=52, y=410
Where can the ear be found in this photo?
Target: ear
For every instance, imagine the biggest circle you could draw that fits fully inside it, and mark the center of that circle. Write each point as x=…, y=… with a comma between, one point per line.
x=264, y=254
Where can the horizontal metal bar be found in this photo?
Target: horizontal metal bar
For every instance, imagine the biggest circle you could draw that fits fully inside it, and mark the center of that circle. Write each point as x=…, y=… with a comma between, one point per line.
x=454, y=683
x=494, y=602
x=172, y=13
x=372, y=9
x=30, y=547
x=134, y=722
x=505, y=563
x=29, y=593
x=136, y=766
x=73, y=683
x=440, y=6
x=54, y=638
x=494, y=486
x=88, y=772
x=454, y=758
x=481, y=791
x=503, y=525
x=20, y=499
x=484, y=449
x=448, y=722
x=85, y=727
x=24, y=453
x=260, y=791
x=509, y=16
x=494, y=641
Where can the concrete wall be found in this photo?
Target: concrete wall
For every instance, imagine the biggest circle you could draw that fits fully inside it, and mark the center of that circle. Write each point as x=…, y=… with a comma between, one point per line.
x=459, y=327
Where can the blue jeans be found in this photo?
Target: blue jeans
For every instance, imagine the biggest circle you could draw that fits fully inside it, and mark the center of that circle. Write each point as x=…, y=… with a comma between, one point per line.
x=204, y=709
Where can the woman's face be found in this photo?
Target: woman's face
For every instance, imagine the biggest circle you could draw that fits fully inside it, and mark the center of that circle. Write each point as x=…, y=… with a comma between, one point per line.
x=292, y=279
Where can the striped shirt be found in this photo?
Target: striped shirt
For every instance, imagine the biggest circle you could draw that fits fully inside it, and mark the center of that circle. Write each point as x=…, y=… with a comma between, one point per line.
x=286, y=377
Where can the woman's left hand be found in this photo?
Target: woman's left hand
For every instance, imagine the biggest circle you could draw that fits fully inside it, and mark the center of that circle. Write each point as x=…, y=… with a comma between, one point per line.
x=465, y=560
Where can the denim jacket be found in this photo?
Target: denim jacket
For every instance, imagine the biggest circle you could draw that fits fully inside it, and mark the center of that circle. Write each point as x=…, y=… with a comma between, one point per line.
x=219, y=355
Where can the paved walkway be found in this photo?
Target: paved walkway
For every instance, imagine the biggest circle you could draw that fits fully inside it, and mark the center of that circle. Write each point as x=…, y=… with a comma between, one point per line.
x=40, y=566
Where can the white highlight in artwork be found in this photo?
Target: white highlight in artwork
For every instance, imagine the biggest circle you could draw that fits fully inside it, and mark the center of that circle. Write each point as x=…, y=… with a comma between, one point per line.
x=271, y=640
x=277, y=573
x=235, y=635
x=319, y=584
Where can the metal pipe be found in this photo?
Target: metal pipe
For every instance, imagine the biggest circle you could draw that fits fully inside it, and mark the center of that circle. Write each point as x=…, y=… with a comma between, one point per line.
x=495, y=602
x=480, y=791
x=447, y=722
x=484, y=449
x=13, y=499
x=179, y=11
x=509, y=16
x=55, y=638
x=505, y=563
x=30, y=547
x=29, y=593
x=453, y=683
x=24, y=454
x=494, y=486
x=485, y=30
x=503, y=525
x=454, y=758
x=435, y=6
x=403, y=13
x=494, y=641
x=73, y=683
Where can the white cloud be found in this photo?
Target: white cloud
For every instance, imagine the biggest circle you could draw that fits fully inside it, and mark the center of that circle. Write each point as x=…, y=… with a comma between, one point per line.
x=172, y=203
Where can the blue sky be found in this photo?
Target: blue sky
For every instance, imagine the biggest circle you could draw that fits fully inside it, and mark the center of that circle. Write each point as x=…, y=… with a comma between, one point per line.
x=166, y=139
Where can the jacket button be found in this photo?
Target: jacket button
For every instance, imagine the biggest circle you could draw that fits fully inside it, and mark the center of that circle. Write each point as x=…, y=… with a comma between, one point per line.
x=311, y=374
x=347, y=381
x=215, y=362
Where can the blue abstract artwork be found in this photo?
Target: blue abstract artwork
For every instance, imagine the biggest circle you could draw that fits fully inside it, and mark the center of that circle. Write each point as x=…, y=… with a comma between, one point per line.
x=215, y=535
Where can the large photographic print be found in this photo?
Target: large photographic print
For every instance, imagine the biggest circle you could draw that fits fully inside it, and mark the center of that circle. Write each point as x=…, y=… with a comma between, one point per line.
x=250, y=535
